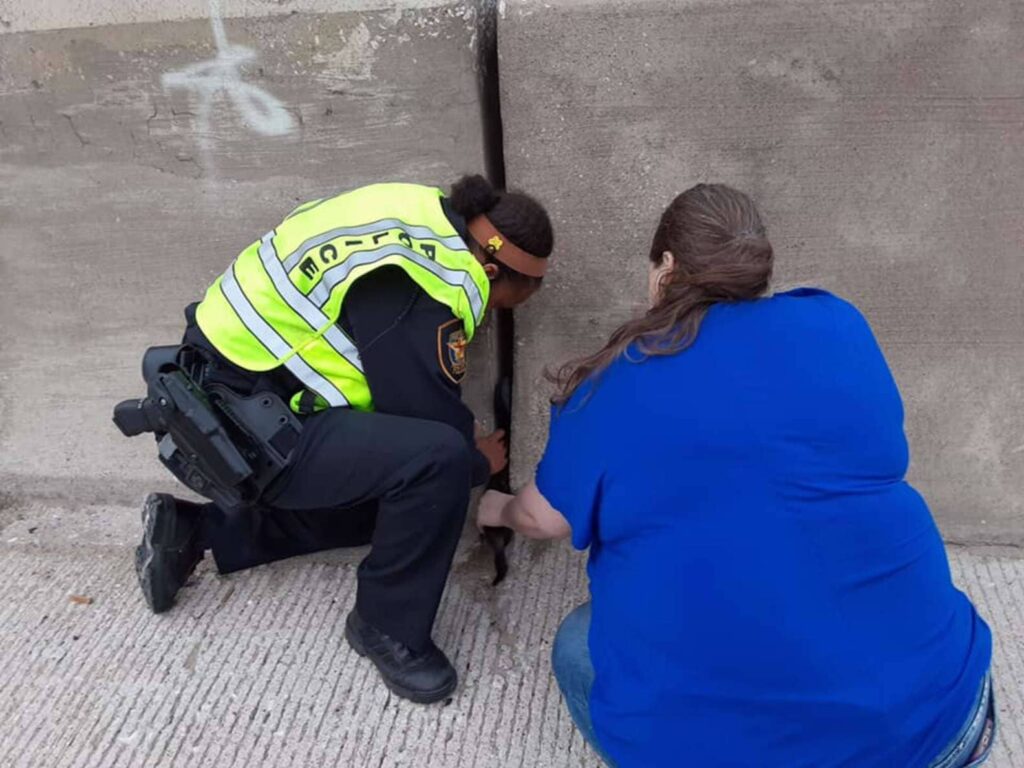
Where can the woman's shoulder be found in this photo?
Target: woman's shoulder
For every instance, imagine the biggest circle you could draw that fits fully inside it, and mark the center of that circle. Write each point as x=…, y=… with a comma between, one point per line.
x=812, y=299
x=809, y=292
x=606, y=394
x=821, y=311
x=813, y=310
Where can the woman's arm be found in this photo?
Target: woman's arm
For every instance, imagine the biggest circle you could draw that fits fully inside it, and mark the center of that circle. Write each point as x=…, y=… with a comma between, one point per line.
x=527, y=513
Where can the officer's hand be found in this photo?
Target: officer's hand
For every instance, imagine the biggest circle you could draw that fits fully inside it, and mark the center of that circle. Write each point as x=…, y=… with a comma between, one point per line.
x=493, y=447
x=490, y=513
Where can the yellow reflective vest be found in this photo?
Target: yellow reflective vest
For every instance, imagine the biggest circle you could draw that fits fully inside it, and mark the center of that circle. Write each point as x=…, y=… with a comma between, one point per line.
x=280, y=300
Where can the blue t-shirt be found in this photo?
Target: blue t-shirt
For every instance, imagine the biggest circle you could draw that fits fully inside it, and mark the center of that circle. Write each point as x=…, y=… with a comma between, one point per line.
x=768, y=591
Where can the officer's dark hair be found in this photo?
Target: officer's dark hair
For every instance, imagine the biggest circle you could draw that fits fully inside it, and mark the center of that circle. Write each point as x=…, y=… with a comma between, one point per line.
x=721, y=253
x=516, y=215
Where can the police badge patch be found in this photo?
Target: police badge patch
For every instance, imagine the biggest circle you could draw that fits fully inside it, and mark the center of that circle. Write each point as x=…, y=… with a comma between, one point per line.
x=451, y=350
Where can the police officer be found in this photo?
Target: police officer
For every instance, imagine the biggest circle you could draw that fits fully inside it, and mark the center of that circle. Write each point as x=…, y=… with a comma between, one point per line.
x=357, y=310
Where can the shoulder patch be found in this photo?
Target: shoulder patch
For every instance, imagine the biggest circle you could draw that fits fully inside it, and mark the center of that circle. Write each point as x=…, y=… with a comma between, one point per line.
x=451, y=350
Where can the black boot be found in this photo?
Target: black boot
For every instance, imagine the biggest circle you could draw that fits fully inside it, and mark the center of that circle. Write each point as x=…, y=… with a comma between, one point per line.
x=421, y=677
x=170, y=550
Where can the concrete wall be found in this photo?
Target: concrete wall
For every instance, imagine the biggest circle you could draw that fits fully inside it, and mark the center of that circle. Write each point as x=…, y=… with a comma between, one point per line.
x=143, y=143
x=136, y=160
x=884, y=142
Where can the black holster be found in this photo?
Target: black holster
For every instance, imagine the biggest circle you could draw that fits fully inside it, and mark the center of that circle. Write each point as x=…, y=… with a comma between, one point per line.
x=223, y=446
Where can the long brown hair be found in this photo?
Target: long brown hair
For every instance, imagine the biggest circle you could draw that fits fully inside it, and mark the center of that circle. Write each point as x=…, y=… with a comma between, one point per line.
x=721, y=253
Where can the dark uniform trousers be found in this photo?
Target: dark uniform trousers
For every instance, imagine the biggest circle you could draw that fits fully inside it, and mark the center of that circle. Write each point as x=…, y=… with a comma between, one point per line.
x=399, y=483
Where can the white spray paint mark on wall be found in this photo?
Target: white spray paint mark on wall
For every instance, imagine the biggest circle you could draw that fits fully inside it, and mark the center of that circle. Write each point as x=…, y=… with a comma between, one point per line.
x=221, y=77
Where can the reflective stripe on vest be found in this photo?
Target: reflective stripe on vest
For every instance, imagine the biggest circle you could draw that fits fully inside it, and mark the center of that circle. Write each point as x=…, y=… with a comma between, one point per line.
x=274, y=344
x=280, y=301
x=309, y=311
x=336, y=275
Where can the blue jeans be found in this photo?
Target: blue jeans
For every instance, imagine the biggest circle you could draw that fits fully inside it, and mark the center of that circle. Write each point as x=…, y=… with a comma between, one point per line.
x=570, y=660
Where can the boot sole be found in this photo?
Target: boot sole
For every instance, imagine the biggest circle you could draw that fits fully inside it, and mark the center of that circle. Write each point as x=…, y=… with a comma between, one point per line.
x=418, y=697
x=147, y=557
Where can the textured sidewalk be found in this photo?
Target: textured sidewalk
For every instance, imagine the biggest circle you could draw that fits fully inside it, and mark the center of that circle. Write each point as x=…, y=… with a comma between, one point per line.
x=251, y=669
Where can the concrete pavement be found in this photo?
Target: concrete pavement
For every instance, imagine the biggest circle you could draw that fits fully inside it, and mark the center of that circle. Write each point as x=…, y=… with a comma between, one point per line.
x=251, y=669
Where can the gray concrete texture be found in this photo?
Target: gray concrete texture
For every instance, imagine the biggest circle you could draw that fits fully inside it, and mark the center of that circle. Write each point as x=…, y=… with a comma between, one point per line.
x=136, y=160
x=21, y=16
x=884, y=143
x=251, y=669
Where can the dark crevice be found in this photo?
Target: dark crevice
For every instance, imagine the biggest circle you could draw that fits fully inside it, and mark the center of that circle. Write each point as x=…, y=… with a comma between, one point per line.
x=494, y=160
x=490, y=92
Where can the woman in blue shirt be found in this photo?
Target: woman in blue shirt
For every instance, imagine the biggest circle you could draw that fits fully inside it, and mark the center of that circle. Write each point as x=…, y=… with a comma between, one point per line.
x=767, y=590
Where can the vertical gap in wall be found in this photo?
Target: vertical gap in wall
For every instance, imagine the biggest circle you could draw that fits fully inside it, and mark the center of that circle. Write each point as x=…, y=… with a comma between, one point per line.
x=494, y=159
x=490, y=92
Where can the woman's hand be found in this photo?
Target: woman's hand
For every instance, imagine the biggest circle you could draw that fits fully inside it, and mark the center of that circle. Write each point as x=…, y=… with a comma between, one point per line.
x=491, y=513
x=494, y=449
